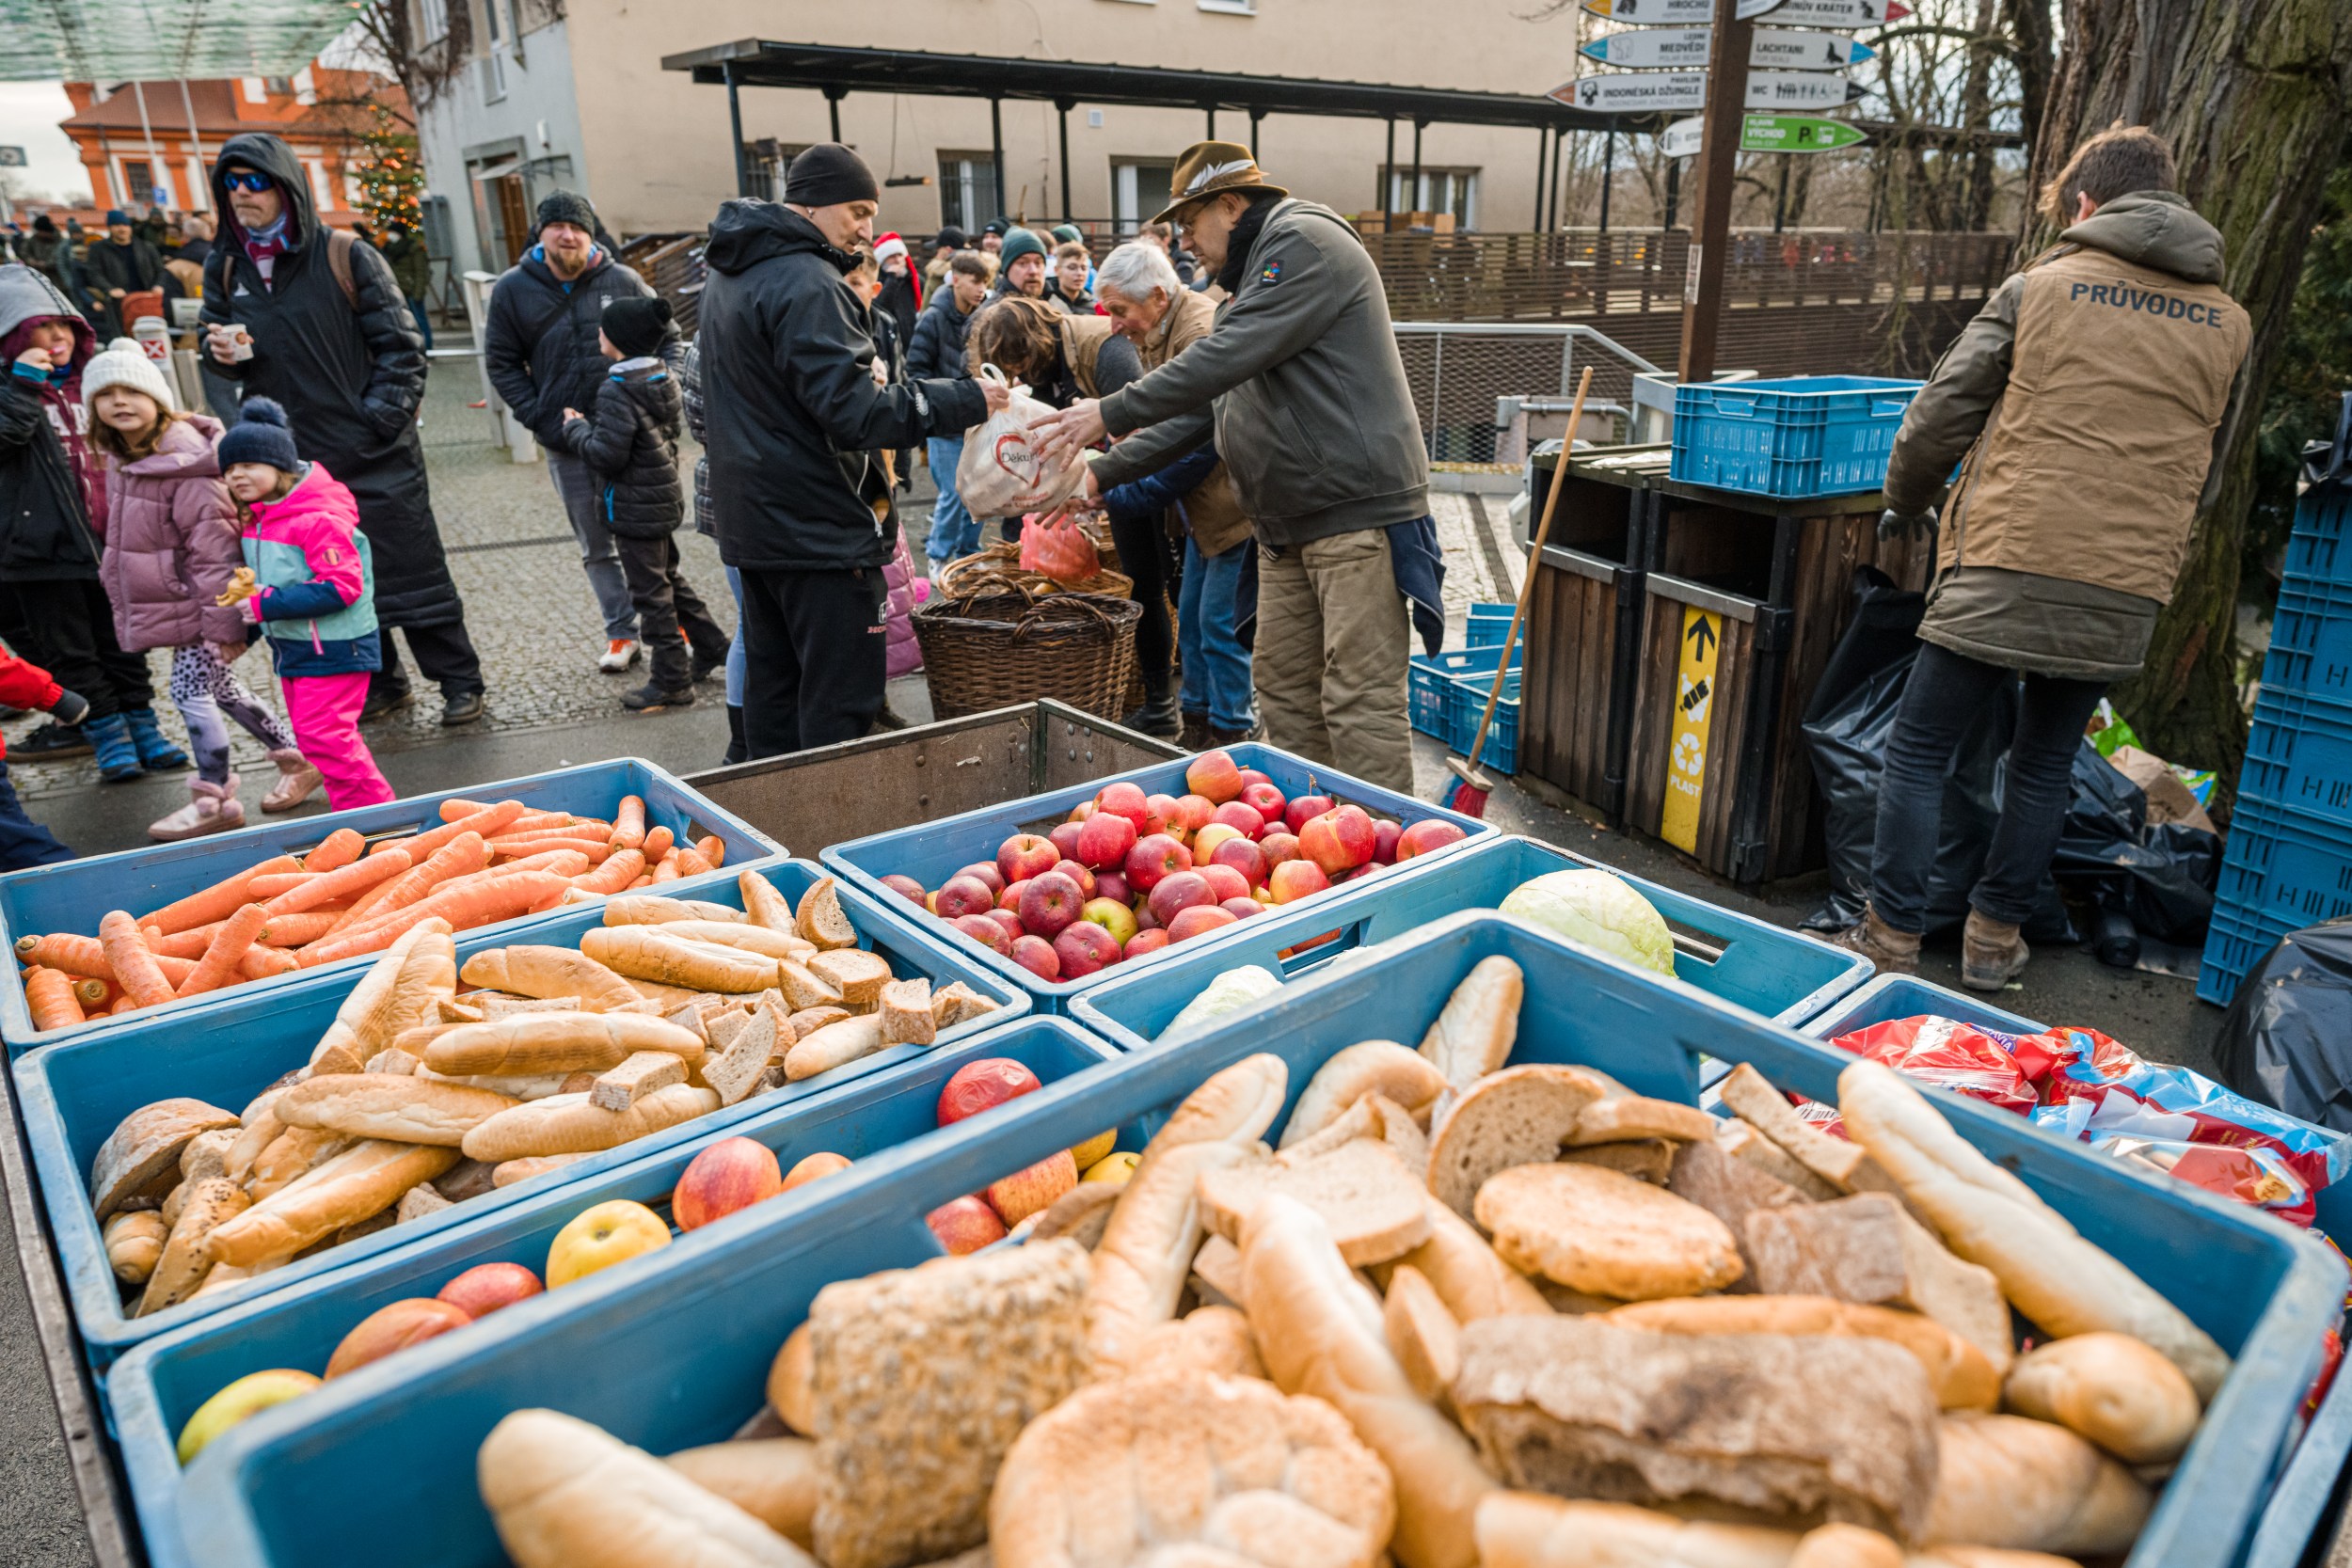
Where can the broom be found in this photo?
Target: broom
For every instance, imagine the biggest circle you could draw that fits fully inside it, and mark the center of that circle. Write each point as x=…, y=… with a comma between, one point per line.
x=1467, y=793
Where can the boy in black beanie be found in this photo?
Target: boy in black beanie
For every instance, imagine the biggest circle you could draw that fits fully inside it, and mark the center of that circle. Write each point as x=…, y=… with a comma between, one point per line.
x=630, y=445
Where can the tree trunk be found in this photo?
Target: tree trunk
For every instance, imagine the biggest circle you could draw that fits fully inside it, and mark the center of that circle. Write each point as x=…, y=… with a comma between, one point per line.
x=1975, y=115
x=2252, y=95
x=2027, y=24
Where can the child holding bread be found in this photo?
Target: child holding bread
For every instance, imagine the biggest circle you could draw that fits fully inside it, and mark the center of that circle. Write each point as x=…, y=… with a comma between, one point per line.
x=312, y=595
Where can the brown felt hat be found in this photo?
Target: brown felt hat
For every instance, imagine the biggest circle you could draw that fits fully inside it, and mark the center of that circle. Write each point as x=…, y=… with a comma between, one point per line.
x=1210, y=169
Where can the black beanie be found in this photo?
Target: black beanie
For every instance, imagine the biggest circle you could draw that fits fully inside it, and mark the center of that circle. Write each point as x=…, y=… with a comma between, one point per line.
x=260, y=436
x=951, y=236
x=636, y=323
x=566, y=207
x=827, y=175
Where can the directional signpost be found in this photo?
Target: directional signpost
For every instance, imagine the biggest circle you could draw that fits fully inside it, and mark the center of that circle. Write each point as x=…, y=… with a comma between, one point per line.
x=1685, y=49
x=1676, y=91
x=1789, y=13
x=1764, y=134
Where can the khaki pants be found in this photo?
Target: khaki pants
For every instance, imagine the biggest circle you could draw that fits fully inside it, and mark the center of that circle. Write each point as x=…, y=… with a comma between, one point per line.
x=1333, y=642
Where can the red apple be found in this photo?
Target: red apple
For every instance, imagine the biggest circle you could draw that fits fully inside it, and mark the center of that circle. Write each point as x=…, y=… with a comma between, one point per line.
x=1244, y=857
x=1065, y=837
x=1180, y=890
x=1193, y=811
x=1242, y=908
x=1113, y=916
x=811, y=1167
x=1029, y=1191
x=1010, y=897
x=1197, y=921
x=1384, y=836
x=1214, y=776
x=1243, y=819
x=1083, y=810
x=1085, y=949
x=1340, y=840
x=1224, y=881
x=1079, y=875
x=1254, y=776
x=1430, y=832
x=963, y=896
x=1010, y=924
x=1113, y=885
x=1263, y=799
x=1104, y=840
x=731, y=1174
x=1052, y=902
x=1302, y=808
x=964, y=1225
x=1127, y=801
x=486, y=1287
x=1159, y=815
x=1209, y=840
x=980, y=928
x=987, y=872
x=978, y=1086
x=394, y=1328
x=1144, y=943
x=1036, y=954
x=908, y=888
x=1154, y=858
x=1145, y=919
x=1024, y=855
x=1294, y=879
x=1277, y=847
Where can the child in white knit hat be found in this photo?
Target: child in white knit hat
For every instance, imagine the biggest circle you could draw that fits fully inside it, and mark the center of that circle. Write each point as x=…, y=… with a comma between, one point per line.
x=171, y=549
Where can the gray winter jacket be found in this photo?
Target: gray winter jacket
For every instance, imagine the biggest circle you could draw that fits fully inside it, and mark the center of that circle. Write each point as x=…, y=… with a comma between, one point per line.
x=1312, y=410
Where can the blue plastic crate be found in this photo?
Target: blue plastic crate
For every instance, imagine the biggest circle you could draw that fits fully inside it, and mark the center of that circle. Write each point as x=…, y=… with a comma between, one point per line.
x=1758, y=968
x=1490, y=624
x=2315, y=548
x=1466, y=704
x=75, y=895
x=934, y=852
x=1892, y=996
x=1433, y=676
x=2311, y=641
x=1794, y=437
x=237, y=1043
x=2236, y=939
x=882, y=1121
x=2298, y=753
x=2286, y=865
x=378, y=1467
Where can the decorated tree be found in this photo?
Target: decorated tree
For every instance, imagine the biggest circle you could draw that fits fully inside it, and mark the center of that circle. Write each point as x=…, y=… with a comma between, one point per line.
x=391, y=176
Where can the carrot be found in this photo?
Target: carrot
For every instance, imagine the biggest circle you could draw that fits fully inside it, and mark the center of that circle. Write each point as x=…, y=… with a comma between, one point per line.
x=489, y=822
x=690, y=861
x=554, y=830
x=334, y=884
x=339, y=847
x=452, y=810
x=122, y=1004
x=133, y=964
x=666, y=869
x=657, y=844
x=94, y=994
x=49, y=993
x=75, y=955
x=264, y=889
x=628, y=823
x=181, y=944
x=563, y=863
x=218, y=966
x=595, y=848
x=619, y=869
x=293, y=930
x=501, y=898
x=463, y=854
x=647, y=880
x=259, y=963
x=712, y=848
x=218, y=902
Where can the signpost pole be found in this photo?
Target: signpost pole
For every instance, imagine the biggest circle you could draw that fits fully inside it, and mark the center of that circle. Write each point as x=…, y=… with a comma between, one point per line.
x=1388, y=182
x=1780, y=202
x=1719, y=157
x=1608, y=173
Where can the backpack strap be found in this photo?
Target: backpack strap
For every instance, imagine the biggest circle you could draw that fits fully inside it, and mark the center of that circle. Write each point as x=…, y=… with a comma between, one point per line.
x=339, y=244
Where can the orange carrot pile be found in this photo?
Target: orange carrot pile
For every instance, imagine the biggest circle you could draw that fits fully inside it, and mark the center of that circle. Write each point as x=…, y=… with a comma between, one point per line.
x=480, y=863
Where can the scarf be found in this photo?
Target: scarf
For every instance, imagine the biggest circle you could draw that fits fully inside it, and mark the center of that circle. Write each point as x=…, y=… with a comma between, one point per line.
x=1238, y=244
x=266, y=244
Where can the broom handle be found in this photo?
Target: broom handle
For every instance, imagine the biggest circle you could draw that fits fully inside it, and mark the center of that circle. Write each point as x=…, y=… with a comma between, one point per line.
x=1534, y=554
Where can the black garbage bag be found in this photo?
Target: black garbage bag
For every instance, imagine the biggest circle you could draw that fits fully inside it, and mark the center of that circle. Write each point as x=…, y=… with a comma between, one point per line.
x=2160, y=878
x=2287, y=1037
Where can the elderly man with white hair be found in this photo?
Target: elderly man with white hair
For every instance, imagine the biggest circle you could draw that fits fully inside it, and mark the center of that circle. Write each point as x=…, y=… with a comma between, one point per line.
x=1149, y=305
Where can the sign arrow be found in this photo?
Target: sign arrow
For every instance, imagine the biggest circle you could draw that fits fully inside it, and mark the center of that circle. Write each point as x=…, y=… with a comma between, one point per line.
x=1701, y=634
x=1686, y=49
x=1678, y=91
x=1790, y=13
x=1764, y=133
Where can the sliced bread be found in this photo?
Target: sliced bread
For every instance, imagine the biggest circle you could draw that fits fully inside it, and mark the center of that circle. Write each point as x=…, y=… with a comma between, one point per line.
x=1374, y=1208
x=1518, y=1117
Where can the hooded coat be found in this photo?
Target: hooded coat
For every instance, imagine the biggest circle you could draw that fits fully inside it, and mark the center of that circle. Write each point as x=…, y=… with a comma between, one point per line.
x=171, y=542
x=45, y=533
x=350, y=371
x=629, y=439
x=540, y=342
x=793, y=418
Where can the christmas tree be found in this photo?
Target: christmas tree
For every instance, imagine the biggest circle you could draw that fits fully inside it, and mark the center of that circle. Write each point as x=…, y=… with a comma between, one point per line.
x=390, y=174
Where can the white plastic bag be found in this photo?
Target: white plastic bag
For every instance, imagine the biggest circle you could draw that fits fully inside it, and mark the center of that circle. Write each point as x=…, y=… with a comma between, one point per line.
x=1002, y=474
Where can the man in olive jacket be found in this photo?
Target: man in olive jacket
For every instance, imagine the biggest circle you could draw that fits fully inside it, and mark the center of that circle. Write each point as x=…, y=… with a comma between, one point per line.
x=1301, y=386
x=2088, y=396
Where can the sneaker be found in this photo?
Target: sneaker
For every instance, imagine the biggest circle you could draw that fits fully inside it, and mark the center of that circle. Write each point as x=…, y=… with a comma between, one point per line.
x=382, y=703
x=1890, y=951
x=650, y=698
x=1991, y=954
x=296, y=782
x=463, y=708
x=618, y=654
x=50, y=742
x=213, y=810
x=9, y=713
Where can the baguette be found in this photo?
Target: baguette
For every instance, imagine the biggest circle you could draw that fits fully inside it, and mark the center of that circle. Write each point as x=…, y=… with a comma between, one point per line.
x=572, y=1124
x=1529, y=1529
x=1477, y=1026
x=397, y=992
x=2065, y=1284
x=764, y=907
x=1422, y=1335
x=2004, y=1481
x=834, y=1045
x=646, y=952
x=743, y=935
x=511, y=1171
x=1371, y=1066
x=771, y=1479
x=648, y=911
x=1468, y=1276
x=533, y=1043
x=1319, y=1333
x=292, y=1154
x=180, y=1271
x=2110, y=1388
x=546, y=973
x=360, y=1182
x=396, y=1107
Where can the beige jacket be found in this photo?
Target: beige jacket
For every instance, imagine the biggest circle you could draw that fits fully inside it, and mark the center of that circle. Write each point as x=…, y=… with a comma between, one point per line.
x=1213, y=512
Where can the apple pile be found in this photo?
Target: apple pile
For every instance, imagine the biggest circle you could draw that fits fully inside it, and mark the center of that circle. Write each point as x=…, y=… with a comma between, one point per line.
x=968, y=1223
x=1130, y=874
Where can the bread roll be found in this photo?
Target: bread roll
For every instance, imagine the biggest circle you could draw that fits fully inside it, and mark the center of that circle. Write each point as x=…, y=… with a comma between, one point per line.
x=185, y=1261
x=566, y=1495
x=363, y=1180
x=1528, y=1529
x=1845, y=1546
x=1205, y=1339
x=134, y=1243
x=1319, y=1333
x=1961, y=1377
x=2110, y=1388
x=1146, y=1245
x=557, y=1042
x=1602, y=1232
x=2004, y=1481
x=2049, y=1273
x=572, y=1124
x=771, y=1479
x=1468, y=1276
x=385, y=1105
x=544, y=972
x=141, y=1158
x=1371, y=1067
x=791, y=1383
x=1477, y=1026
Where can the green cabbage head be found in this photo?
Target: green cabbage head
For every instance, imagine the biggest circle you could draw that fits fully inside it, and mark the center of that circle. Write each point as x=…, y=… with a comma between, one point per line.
x=1599, y=910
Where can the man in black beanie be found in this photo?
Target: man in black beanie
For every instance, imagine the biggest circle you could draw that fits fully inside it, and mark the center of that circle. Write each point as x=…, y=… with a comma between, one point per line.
x=541, y=350
x=792, y=418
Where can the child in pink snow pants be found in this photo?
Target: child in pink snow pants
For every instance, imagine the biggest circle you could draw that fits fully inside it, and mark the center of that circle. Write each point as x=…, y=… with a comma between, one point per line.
x=314, y=596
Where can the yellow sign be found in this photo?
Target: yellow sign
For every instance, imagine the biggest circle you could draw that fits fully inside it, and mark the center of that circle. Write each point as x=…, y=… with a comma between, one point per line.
x=1686, y=754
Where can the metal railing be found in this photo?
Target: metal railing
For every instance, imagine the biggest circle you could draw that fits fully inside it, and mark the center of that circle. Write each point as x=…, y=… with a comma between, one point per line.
x=1459, y=373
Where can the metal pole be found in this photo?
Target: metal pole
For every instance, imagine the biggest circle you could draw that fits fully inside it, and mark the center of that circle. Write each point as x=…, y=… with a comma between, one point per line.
x=155, y=154
x=1780, y=202
x=1212, y=122
x=1719, y=155
x=996, y=149
x=1413, y=196
x=1256, y=115
x=1552, y=190
x=1543, y=152
x=199, y=199
x=1674, y=189
x=833, y=108
x=1388, y=180
x=1062, y=109
x=1608, y=174
x=735, y=121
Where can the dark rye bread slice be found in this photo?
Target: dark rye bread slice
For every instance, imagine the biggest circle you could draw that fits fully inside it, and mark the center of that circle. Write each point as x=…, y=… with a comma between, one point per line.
x=1799, y=1429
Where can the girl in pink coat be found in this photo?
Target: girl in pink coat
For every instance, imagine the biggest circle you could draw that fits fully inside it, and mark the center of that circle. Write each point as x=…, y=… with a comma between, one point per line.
x=171, y=547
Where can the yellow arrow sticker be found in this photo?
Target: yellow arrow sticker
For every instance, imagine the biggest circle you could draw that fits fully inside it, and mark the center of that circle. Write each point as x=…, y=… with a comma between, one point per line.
x=1694, y=702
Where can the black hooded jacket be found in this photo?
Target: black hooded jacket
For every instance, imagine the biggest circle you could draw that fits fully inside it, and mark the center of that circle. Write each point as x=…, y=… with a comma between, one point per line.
x=793, y=416
x=629, y=439
x=350, y=371
x=540, y=344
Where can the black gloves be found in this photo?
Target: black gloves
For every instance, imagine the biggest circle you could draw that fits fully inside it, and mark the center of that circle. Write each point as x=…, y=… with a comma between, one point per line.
x=69, y=708
x=1896, y=525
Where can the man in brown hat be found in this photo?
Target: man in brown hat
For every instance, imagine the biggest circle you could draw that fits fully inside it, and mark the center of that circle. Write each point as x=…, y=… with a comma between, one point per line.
x=1301, y=386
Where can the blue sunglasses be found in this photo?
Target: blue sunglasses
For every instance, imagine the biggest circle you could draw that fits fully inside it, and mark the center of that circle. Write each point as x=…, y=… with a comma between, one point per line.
x=245, y=179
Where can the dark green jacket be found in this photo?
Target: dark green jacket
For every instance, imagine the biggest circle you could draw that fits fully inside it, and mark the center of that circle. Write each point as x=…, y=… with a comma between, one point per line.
x=412, y=266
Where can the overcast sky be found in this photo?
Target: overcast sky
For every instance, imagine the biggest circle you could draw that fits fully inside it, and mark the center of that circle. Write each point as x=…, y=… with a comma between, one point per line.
x=29, y=113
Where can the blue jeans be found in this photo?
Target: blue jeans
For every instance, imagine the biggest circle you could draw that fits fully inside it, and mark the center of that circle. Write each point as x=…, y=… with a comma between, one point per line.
x=1217, y=667
x=416, y=313
x=739, y=656
x=954, y=531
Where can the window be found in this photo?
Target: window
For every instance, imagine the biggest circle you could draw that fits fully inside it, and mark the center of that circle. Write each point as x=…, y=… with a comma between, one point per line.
x=432, y=21
x=1138, y=189
x=494, y=59
x=1231, y=7
x=279, y=86
x=139, y=181
x=967, y=189
x=256, y=88
x=306, y=88
x=1441, y=190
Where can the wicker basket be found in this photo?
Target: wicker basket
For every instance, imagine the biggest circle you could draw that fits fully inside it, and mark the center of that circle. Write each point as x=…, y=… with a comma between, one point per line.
x=998, y=569
x=999, y=646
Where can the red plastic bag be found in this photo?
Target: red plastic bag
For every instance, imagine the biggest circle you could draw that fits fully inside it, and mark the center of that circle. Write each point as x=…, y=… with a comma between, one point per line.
x=1979, y=1063
x=1060, y=550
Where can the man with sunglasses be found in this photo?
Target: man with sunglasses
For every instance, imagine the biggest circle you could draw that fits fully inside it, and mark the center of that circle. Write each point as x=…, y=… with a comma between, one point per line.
x=322, y=327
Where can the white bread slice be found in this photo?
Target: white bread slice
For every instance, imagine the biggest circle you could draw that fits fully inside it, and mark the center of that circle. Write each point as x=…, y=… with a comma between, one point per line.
x=1517, y=1117
x=1374, y=1208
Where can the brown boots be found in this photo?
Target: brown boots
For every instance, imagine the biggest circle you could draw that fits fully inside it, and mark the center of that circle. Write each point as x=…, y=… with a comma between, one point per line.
x=1991, y=953
x=1893, y=952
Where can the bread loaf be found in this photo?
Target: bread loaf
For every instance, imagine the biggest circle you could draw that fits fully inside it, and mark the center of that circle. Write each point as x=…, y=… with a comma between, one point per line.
x=856, y=974
x=546, y=972
x=1747, y=1092
x=1527, y=1530
x=1867, y=1249
x=572, y=1124
x=771, y=1479
x=819, y=917
x=1650, y=1161
x=1604, y=1233
x=1478, y=1024
x=557, y=1042
x=400, y=991
x=1422, y=1335
x=180, y=1271
x=2004, y=1481
x=1961, y=1377
x=905, y=1007
x=1520, y=1116
x=385, y=1105
x=1371, y=1066
x=1466, y=1274
x=363, y=1180
x=1374, y=1209
x=2110, y=1388
x=141, y=1158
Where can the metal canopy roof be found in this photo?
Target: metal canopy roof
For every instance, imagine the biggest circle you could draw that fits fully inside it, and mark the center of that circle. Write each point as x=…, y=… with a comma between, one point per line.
x=157, y=41
x=837, y=71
